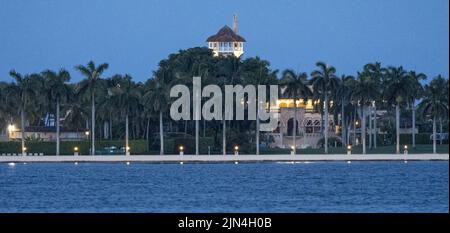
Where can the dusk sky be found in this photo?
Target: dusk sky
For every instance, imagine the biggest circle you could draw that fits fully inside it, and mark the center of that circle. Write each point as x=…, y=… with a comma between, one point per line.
x=133, y=36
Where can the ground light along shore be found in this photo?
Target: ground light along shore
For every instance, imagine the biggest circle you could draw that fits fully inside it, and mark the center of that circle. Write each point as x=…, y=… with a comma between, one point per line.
x=228, y=158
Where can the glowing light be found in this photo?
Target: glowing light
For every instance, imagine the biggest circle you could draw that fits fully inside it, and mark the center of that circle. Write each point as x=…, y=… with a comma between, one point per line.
x=24, y=149
x=11, y=128
x=181, y=148
x=406, y=147
x=349, y=147
x=236, y=148
x=87, y=133
x=75, y=149
x=128, y=148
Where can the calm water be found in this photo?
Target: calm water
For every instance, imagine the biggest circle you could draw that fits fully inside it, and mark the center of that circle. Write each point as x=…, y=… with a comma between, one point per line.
x=269, y=187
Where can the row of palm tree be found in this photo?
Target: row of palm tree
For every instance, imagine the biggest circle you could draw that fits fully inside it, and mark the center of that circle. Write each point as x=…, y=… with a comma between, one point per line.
x=374, y=86
x=120, y=98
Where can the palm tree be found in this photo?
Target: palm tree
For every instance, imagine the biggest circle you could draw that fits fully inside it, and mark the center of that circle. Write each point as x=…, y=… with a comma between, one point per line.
x=23, y=92
x=295, y=86
x=375, y=71
x=256, y=72
x=57, y=91
x=342, y=97
x=156, y=98
x=396, y=93
x=324, y=81
x=126, y=95
x=415, y=93
x=193, y=62
x=89, y=86
x=435, y=103
x=77, y=113
x=229, y=73
x=365, y=92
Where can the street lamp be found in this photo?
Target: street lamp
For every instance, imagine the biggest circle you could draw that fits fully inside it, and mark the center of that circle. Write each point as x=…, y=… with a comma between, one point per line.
x=127, y=152
x=405, y=149
x=75, y=151
x=349, y=149
x=236, y=150
x=292, y=150
x=181, y=150
x=24, y=151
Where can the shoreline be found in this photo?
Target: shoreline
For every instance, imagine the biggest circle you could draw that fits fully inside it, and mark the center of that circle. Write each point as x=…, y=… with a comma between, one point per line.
x=226, y=158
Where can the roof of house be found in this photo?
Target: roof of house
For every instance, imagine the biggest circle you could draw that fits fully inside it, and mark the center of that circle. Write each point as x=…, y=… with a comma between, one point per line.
x=48, y=129
x=226, y=34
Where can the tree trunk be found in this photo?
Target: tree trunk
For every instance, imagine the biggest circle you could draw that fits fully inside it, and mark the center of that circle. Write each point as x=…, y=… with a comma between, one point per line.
x=370, y=127
x=440, y=131
x=326, y=123
x=413, y=134
x=57, y=126
x=110, y=126
x=397, y=126
x=204, y=128
x=363, y=128
x=161, y=133
x=224, y=142
x=354, y=126
x=197, y=124
x=127, y=150
x=257, y=131
x=22, y=125
x=93, y=124
x=105, y=130
x=434, y=135
x=348, y=133
x=147, y=131
x=375, y=126
x=343, y=128
x=294, y=133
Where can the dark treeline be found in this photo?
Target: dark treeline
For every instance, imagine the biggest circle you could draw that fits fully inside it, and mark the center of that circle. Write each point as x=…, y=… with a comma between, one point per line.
x=117, y=107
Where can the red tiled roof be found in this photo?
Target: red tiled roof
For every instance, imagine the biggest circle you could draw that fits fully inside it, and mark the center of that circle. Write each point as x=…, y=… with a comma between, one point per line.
x=226, y=34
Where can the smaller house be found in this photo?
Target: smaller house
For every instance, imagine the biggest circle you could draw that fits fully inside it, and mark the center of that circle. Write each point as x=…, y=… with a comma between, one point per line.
x=48, y=133
x=227, y=42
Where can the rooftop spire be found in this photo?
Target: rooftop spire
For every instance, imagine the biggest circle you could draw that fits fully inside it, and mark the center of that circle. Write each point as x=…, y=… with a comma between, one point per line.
x=235, y=22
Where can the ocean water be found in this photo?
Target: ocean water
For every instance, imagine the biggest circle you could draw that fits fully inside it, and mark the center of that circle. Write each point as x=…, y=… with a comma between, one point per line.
x=255, y=187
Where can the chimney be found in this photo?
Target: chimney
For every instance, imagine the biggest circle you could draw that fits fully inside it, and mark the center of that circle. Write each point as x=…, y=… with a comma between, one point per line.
x=235, y=23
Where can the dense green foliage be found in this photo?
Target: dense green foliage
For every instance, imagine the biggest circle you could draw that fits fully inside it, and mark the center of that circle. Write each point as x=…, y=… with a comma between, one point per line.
x=103, y=105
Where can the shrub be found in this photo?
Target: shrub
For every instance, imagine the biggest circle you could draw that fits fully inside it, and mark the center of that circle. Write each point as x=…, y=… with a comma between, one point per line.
x=67, y=147
x=332, y=141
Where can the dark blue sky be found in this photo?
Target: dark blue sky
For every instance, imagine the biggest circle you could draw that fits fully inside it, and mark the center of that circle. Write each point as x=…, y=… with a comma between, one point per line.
x=132, y=36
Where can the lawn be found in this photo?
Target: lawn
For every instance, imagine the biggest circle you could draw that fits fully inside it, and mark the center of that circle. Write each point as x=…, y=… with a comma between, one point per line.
x=358, y=150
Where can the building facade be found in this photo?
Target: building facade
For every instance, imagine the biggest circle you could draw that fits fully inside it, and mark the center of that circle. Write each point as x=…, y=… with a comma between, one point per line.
x=227, y=42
